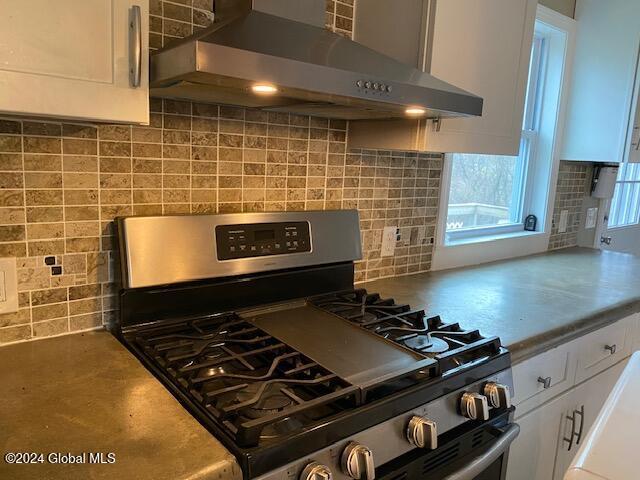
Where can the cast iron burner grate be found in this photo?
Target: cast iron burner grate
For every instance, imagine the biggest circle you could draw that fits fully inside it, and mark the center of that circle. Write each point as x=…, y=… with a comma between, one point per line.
x=253, y=386
x=452, y=346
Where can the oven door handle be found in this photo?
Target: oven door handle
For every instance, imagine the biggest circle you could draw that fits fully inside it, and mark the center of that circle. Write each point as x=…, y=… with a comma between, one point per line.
x=480, y=463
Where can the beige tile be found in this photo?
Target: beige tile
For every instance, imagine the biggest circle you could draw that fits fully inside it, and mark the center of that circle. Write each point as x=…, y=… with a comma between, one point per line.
x=76, y=245
x=14, y=334
x=10, y=143
x=46, y=312
x=84, y=291
x=11, y=180
x=14, y=249
x=21, y=317
x=52, y=295
x=42, y=145
x=84, y=322
x=50, y=327
x=87, y=305
x=10, y=233
x=37, y=231
x=74, y=264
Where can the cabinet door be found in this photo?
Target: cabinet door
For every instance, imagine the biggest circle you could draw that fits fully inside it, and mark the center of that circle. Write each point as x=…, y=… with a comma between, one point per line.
x=72, y=59
x=483, y=47
x=602, y=83
x=586, y=401
x=532, y=454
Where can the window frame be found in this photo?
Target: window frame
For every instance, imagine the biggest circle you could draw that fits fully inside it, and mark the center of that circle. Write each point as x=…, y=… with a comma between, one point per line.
x=507, y=244
x=621, y=180
x=522, y=184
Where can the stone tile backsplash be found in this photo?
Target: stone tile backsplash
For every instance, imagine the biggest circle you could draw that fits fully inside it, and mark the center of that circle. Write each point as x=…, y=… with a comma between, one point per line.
x=62, y=184
x=574, y=184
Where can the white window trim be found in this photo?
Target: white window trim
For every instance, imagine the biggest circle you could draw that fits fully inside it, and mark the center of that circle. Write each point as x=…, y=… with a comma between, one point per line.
x=513, y=244
x=636, y=220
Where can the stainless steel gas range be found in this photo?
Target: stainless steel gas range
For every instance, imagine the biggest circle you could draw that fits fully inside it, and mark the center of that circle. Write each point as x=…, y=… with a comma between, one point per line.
x=253, y=322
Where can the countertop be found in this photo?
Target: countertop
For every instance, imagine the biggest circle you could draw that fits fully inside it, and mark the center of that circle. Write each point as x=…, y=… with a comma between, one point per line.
x=87, y=393
x=532, y=303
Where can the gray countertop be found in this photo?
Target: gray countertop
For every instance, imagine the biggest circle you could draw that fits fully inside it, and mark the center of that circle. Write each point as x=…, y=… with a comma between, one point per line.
x=532, y=303
x=87, y=393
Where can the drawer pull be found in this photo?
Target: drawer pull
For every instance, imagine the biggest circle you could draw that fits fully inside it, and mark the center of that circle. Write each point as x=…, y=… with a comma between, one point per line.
x=611, y=348
x=546, y=382
x=572, y=435
x=581, y=428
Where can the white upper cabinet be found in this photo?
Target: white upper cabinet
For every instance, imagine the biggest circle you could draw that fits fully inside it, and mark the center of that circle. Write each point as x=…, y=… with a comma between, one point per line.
x=78, y=59
x=483, y=47
x=601, y=105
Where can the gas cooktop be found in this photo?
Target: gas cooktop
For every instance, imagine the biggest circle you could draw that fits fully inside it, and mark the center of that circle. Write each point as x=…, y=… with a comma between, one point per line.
x=247, y=372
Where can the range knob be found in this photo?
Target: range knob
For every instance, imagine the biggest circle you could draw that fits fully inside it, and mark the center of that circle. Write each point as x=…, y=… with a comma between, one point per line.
x=498, y=395
x=474, y=406
x=422, y=433
x=357, y=462
x=316, y=471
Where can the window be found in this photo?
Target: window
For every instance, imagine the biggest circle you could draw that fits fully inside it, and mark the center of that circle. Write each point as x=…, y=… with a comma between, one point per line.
x=490, y=194
x=486, y=198
x=625, y=206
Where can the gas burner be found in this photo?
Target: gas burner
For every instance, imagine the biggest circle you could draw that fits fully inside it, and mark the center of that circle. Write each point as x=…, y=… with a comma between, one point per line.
x=426, y=344
x=271, y=399
x=451, y=345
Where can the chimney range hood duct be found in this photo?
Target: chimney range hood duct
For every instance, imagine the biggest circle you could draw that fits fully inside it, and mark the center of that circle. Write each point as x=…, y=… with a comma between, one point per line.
x=316, y=72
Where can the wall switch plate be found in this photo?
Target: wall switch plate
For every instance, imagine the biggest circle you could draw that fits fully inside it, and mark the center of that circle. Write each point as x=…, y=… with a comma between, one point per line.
x=389, y=238
x=592, y=217
x=8, y=285
x=562, y=224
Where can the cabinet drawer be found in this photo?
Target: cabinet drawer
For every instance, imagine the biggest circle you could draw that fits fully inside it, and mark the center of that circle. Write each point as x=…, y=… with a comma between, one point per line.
x=554, y=368
x=603, y=348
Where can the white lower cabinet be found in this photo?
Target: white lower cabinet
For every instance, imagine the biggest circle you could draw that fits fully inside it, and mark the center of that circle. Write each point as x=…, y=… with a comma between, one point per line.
x=532, y=454
x=554, y=420
x=586, y=400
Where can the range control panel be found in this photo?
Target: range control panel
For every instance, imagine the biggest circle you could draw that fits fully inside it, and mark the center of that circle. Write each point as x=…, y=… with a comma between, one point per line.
x=260, y=239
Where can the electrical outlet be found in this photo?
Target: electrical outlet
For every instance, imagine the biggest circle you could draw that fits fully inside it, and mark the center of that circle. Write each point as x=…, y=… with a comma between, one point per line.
x=592, y=217
x=562, y=224
x=8, y=285
x=389, y=238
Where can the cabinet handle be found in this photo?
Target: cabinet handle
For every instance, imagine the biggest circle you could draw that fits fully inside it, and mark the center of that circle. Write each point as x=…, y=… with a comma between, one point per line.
x=573, y=431
x=546, y=382
x=611, y=348
x=135, y=46
x=580, y=429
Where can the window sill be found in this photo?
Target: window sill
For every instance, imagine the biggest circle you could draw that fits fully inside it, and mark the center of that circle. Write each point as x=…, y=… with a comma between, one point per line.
x=488, y=248
x=490, y=238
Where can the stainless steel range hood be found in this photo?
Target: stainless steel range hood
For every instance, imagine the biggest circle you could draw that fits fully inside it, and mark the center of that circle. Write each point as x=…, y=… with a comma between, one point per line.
x=316, y=72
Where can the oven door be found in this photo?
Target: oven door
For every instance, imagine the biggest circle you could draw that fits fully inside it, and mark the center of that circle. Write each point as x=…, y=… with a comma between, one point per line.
x=473, y=451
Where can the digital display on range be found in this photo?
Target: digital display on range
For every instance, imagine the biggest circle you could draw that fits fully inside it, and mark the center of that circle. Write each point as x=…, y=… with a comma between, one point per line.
x=260, y=235
x=260, y=239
